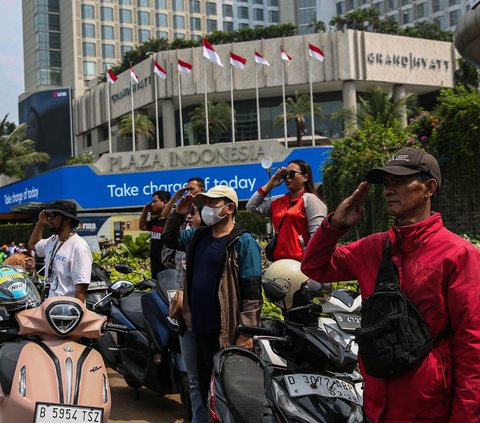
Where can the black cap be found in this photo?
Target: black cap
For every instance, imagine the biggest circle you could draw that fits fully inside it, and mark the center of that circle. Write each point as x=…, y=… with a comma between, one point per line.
x=65, y=207
x=407, y=161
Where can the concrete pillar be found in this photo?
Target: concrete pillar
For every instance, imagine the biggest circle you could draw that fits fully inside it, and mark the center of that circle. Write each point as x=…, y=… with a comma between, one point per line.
x=399, y=94
x=168, y=119
x=350, y=103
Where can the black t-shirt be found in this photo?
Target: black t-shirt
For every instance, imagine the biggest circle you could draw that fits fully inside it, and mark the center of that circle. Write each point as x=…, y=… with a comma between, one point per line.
x=155, y=226
x=207, y=269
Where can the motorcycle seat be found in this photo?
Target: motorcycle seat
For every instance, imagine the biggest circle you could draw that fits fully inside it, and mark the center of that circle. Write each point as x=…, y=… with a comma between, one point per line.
x=244, y=388
x=131, y=306
x=9, y=354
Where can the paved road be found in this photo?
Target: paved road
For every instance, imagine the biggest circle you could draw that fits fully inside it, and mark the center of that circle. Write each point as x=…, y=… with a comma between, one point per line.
x=149, y=408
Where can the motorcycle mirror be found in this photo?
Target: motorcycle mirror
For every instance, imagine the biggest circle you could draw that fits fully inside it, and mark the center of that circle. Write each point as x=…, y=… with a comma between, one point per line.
x=314, y=289
x=122, y=288
x=272, y=290
x=123, y=268
x=105, y=254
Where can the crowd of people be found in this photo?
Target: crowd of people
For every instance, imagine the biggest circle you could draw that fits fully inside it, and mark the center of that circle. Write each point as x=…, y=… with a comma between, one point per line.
x=219, y=266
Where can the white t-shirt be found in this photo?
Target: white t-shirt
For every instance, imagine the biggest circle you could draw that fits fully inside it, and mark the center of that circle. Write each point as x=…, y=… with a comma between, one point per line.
x=72, y=263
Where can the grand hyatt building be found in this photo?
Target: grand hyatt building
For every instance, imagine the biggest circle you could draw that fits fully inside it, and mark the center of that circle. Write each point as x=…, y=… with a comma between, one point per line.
x=123, y=178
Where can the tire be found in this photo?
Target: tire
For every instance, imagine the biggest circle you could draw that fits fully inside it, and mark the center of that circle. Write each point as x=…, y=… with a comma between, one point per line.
x=184, y=391
x=131, y=382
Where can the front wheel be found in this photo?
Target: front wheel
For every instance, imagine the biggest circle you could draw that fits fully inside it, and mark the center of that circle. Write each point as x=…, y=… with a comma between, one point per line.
x=184, y=391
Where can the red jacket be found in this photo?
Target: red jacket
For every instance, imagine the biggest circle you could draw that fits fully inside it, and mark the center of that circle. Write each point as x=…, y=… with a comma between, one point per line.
x=440, y=273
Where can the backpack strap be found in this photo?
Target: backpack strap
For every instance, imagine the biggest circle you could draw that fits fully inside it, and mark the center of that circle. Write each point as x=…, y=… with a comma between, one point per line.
x=387, y=273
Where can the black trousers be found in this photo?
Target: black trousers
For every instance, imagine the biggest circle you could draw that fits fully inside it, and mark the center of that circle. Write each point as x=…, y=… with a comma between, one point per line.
x=207, y=347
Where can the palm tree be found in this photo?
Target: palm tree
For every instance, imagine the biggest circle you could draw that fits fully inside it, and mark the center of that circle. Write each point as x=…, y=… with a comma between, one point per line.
x=16, y=153
x=317, y=26
x=143, y=126
x=219, y=118
x=378, y=106
x=6, y=127
x=297, y=108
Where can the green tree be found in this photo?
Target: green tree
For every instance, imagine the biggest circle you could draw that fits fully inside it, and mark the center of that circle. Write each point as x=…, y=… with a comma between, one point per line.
x=16, y=153
x=86, y=157
x=466, y=74
x=6, y=127
x=297, y=108
x=427, y=30
x=317, y=26
x=352, y=157
x=219, y=118
x=143, y=126
x=378, y=106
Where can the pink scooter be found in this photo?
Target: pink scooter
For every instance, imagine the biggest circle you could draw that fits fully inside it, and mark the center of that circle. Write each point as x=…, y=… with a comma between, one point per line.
x=46, y=376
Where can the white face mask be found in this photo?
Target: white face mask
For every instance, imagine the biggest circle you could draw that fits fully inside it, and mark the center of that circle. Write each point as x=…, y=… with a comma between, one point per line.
x=210, y=215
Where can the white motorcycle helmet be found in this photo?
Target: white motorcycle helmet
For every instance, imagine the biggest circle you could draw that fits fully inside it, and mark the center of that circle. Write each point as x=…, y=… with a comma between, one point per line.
x=281, y=280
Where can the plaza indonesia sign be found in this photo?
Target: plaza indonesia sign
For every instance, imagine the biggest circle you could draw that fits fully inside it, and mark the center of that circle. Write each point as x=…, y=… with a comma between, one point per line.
x=94, y=190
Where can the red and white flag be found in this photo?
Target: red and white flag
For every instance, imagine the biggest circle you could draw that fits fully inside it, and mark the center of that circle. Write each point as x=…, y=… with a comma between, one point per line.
x=210, y=53
x=159, y=70
x=260, y=59
x=184, y=67
x=315, y=53
x=133, y=75
x=237, y=61
x=111, y=77
x=285, y=56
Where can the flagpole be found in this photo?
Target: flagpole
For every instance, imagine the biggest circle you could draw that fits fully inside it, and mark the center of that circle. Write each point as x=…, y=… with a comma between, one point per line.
x=180, y=104
x=207, y=133
x=284, y=105
x=311, y=99
x=231, y=102
x=109, y=119
x=133, y=116
x=258, y=103
x=156, y=103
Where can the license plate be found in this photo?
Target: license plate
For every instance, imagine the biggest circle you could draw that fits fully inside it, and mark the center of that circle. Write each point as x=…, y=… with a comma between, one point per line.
x=59, y=413
x=348, y=322
x=303, y=384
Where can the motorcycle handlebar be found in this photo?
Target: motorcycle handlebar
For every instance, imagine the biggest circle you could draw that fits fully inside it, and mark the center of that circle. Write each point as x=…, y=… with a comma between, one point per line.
x=114, y=327
x=257, y=331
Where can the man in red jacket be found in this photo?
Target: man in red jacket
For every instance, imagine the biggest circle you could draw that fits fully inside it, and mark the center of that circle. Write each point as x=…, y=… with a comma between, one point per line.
x=440, y=274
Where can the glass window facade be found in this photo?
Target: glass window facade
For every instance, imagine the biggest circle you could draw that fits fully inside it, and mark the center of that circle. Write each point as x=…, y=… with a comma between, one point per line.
x=178, y=22
x=125, y=2
x=211, y=9
x=125, y=16
x=126, y=34
x=88, y=31
x=89, y=49
x=273, y=3
x=162, y=34
x=143, y=18
x=421, y=10
x=108, y=32
x=125, y=48
x=47, y=22
x=243, y=12
x=87, y=11
x=106, y=13
x=143, y=3
x=227, y=10
x=194, y=6
x=178, y=5
x=273, y=16
x=227, y=26
x=108, y=51
x=258, y=14
x=89, y=68
x=143, y=35
x=211, y=25
x=161, y=20
x=195, y=24
x=437, y=6
x=161, y=4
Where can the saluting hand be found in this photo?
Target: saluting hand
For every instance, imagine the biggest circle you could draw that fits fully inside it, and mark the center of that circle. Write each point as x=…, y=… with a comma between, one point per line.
x=185, y=204
x=351, y=210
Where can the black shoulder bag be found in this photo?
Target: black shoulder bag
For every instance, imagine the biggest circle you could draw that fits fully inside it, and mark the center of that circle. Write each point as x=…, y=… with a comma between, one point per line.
x=393, y=334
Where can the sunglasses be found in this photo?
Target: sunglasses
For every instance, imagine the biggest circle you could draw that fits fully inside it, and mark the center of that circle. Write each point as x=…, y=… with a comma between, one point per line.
x=291, y=174
x=52, y=215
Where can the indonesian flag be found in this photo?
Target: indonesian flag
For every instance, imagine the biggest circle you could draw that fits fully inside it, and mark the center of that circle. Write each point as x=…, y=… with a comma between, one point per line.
x=285, y=56
x=133, y=75
x=184, y=67
x=260, y=59
x=315, y=53
x=111, y=77
x=210, y=54
x=159, y=70
x=237, y=61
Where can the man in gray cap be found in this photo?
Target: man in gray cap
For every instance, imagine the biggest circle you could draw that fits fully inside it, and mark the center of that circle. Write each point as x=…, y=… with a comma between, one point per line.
x=437, y=271
x=68, y=259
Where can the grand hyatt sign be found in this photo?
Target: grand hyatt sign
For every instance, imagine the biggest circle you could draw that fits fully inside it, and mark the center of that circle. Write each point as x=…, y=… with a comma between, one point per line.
x=179, y=158
x=407, y=61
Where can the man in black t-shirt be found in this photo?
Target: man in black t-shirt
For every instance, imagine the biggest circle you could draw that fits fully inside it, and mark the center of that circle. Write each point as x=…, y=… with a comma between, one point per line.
x=155, y=226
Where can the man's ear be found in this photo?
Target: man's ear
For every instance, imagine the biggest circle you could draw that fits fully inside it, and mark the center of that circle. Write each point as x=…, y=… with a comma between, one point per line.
x=431, y=187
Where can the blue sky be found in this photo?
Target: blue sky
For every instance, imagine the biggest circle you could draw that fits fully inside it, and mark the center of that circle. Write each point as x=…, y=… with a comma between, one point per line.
x=11, y=58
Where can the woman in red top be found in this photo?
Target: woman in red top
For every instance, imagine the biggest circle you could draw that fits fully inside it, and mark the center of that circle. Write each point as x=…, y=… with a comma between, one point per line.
x=298, y=213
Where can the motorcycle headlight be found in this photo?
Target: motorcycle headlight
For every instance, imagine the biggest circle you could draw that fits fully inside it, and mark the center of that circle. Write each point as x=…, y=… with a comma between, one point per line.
x=291, y=409
x=64, y=317
x=335, y=335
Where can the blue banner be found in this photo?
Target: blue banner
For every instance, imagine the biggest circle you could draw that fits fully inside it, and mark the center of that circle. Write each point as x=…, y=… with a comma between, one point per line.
x=105, y=191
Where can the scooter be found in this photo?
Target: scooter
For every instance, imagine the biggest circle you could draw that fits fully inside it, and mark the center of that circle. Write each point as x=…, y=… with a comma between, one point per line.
x=149, y=354
x=46, y=376
x=297, y=372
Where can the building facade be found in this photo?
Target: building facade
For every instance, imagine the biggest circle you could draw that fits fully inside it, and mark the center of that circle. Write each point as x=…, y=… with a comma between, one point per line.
x=69, y=43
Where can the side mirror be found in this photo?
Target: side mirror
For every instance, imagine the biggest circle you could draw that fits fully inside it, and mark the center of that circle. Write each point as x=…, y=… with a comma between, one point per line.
x=122, y=288
x=123, y=268
x=105, y=254
x=273, y=291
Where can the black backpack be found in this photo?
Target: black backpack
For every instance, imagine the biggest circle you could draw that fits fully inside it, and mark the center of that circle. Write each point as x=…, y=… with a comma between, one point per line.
x=393, y=334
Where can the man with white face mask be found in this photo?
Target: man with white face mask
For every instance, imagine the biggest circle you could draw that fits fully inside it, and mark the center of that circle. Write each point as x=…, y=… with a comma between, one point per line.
x=223, y=262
